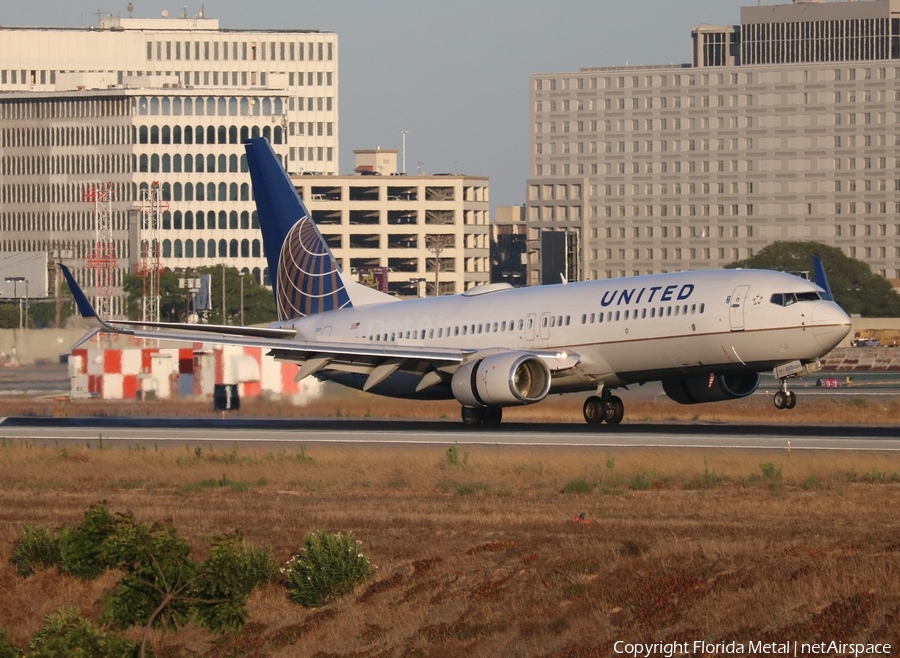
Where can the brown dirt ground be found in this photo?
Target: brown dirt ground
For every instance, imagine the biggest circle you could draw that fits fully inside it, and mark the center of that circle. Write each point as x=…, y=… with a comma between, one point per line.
x=483, y=557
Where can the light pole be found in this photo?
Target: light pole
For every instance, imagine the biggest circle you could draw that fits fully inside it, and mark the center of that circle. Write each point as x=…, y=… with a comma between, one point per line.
x=242, y=273
x=15, y=280
x=403, y=134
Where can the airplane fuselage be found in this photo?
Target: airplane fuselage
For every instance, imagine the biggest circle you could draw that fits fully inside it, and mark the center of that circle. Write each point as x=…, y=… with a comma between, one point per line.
x=622, y=330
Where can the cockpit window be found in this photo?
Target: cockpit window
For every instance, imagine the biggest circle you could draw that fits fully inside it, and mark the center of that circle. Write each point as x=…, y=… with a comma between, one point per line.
x=789, y=298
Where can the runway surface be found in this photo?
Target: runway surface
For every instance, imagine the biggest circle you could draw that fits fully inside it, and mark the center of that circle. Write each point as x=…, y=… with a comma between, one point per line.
x=259, y=432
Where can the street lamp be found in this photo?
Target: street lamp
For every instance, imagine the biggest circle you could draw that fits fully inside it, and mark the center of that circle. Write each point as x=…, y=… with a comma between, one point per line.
x=418, y=281
x=16, y=280
x=242, y=273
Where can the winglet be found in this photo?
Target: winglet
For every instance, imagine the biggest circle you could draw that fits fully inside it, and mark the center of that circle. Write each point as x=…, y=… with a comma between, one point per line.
x=81, y=300
x=822, y=278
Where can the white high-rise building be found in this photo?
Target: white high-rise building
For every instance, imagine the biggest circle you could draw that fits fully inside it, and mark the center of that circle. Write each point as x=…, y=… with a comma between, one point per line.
x=781, y=128
x=135, y=105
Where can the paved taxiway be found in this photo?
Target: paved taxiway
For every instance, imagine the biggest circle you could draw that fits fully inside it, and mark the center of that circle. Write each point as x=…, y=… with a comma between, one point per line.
x=259, y=432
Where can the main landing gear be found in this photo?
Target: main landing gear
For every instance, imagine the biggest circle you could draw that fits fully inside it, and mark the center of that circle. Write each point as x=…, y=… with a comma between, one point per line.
x=785, y=399
x=609, y=408
x=474, y=416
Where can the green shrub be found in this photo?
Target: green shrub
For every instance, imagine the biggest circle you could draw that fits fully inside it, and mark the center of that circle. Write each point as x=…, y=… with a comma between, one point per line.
x=452, y=456
x=36, y=548
x=67, y=633
x=259, y=566
x=7, y=650
x=577, y=487
x=81, y=547
x=874, y=476
x=812, y=483
x=327, y=567
x=642, y=481
x=770, y=472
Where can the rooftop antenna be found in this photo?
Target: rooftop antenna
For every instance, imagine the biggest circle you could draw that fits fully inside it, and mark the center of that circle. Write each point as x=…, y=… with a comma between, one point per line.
x=164, y=13
x=130, y=9
x=202, y=10
x=184, y=12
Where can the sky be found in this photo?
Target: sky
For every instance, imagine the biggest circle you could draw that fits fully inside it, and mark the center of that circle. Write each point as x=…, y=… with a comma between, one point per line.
x=454, y=74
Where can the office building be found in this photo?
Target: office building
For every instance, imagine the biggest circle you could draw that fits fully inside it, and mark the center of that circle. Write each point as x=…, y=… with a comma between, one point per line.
x=781, y=128
x=403, y=231
x=102, y=122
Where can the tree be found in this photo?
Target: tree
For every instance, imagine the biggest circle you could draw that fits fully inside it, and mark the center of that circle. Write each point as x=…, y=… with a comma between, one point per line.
x=164, y=588
x=856, y=289
x=436, y=243
x=67, y=633
x=9, y=316
x=259, y=303
x=173, y=300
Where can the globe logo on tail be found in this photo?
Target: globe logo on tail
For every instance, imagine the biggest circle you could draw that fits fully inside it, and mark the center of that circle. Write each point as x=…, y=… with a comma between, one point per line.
x=309, y=280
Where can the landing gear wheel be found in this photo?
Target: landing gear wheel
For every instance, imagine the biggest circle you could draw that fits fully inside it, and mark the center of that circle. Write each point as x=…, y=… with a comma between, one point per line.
x=594, y=410
x=614, y=410
x=791, y=401
x=472, y=416
x=492, y=415
x=781, y=400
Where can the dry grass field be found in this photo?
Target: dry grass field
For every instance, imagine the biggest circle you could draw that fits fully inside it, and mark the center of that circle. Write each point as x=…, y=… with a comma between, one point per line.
x=476, y=549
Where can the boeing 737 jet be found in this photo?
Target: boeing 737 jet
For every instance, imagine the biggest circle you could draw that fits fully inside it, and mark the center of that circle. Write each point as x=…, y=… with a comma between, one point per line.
x=706, y=335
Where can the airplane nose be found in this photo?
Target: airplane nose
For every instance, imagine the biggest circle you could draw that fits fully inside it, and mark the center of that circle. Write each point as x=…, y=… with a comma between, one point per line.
x=830, y=324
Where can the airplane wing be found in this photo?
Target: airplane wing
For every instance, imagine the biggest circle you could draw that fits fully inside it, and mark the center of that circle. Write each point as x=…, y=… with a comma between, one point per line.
x=377, y=360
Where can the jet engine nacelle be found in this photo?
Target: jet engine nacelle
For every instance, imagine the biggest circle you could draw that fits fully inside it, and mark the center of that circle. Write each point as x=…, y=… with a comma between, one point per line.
x=711, y=388
x=507, y=378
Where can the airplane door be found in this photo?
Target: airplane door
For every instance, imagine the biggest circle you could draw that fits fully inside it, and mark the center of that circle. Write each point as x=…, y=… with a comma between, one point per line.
x=529, y=326
x=545, y=326
x=736, y=308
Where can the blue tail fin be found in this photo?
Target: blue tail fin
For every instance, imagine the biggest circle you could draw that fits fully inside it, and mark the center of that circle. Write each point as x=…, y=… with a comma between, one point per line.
x=305, y=277
x=822, y=278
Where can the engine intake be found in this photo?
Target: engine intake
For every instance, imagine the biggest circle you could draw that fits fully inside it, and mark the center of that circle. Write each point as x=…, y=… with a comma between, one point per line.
x=506, y=379
x=712, y=388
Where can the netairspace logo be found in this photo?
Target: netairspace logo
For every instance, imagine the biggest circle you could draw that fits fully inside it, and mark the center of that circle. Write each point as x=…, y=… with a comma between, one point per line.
x=750, y=648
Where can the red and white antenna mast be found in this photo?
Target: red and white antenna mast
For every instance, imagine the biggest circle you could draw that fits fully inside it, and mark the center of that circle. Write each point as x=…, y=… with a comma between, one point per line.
x=151, y=211
x=103, y=258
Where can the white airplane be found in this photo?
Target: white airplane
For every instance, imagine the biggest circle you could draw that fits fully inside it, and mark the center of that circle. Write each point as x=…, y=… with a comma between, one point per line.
x=706, y=335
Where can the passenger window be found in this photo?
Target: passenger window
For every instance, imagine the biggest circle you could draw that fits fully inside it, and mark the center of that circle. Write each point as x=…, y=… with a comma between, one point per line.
x=568, y=320
x=702, y=307
x=592, y=318
x=559, y=320
x=530, y=323
x=584, y=319
x=617, y=316
x=653, y=312
x=668, y=311
x=693, y=308
x=684, y=309
x=676, y=310
x=643, y=313
x=495, y=327
x=544, y=321
x=552, y=321
x=456, y=331
x=626, y=314
x=479, y=328
x=503, y=326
